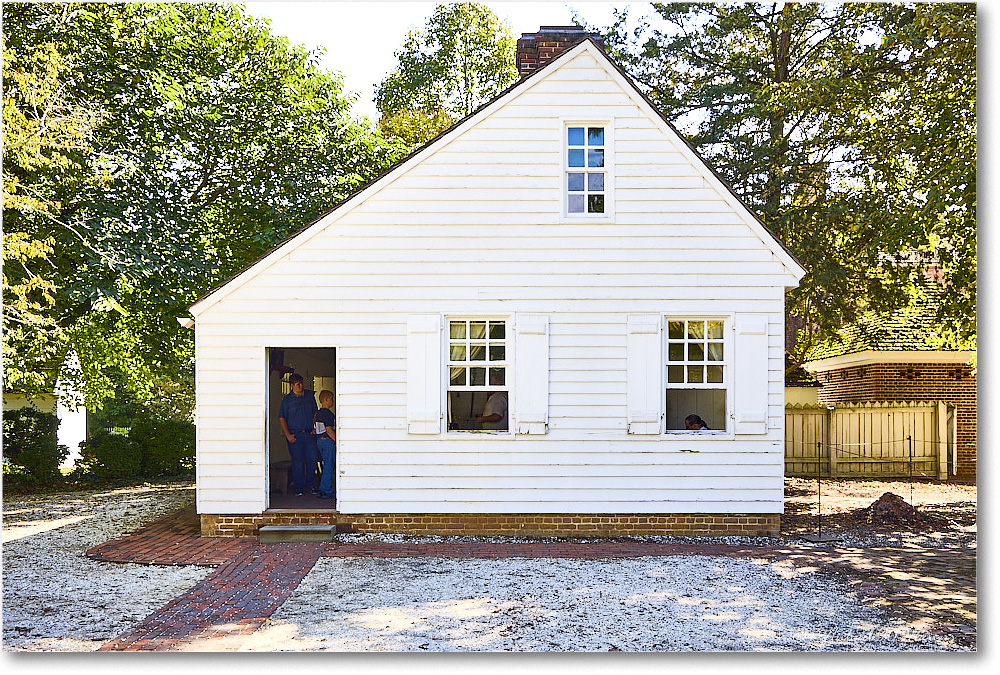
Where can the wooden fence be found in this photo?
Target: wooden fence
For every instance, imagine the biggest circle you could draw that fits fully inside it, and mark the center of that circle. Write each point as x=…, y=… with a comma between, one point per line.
x=882, y=439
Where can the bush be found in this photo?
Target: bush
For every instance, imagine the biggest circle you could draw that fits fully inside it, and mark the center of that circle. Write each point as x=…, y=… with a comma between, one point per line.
x=31, y=450
x=109, y=456
x=166, y=446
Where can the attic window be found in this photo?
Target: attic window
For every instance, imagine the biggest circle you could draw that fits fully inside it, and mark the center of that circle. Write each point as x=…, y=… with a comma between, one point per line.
x=586, y=170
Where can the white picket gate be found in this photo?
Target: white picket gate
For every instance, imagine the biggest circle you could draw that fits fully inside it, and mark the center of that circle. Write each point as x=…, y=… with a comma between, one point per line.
x=880, y=439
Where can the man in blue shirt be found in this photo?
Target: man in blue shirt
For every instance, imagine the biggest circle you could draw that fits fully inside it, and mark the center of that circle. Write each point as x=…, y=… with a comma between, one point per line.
x=296, y=419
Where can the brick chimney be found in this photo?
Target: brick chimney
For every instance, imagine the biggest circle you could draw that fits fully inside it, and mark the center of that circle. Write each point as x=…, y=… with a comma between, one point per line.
x=534, y=50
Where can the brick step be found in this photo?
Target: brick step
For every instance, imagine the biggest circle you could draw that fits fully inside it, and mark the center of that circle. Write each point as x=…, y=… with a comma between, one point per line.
x=273, y=534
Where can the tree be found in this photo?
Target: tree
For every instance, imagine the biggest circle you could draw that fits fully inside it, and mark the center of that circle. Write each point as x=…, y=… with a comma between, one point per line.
x=464, y=56
x=788, y=101
x=921, y=177
x=193, y=140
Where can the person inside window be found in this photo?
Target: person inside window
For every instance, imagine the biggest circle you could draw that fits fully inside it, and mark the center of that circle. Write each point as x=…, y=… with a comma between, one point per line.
x=695, y=423
x=494, y=415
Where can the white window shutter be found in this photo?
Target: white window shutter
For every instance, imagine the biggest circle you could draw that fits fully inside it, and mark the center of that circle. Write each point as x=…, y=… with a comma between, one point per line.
x=643, y=352
x=531, y=370
x=423, y=374
x=750, y=374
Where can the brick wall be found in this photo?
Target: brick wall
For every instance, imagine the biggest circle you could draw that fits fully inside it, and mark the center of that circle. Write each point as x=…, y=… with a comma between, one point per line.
x=532, y=524
x=953, y=383
x=534, y=50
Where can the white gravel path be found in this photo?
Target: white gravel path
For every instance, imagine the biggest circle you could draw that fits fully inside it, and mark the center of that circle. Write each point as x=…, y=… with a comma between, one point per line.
x=56, y=599
x=682, y=603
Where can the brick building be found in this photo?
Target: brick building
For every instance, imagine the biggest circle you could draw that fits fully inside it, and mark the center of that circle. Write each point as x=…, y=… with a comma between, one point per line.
x=890, y=357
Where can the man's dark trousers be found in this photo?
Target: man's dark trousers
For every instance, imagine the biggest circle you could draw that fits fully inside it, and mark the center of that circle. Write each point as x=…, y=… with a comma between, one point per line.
x=304, y=453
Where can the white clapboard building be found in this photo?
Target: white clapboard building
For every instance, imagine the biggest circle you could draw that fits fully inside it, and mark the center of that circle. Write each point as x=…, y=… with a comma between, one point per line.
x=563, y=245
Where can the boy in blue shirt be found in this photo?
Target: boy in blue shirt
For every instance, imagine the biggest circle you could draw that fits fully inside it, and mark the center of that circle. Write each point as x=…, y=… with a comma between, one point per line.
x=326, y=441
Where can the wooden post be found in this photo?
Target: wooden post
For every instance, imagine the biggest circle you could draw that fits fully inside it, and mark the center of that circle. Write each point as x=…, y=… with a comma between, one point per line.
x=828, y=434
x=942, y=440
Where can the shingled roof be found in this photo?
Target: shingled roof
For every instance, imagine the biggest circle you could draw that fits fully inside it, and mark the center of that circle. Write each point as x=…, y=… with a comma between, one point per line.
x=908, y=329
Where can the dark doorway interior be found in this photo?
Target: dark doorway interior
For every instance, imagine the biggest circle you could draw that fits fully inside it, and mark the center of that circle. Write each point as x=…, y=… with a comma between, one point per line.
x=318, y=367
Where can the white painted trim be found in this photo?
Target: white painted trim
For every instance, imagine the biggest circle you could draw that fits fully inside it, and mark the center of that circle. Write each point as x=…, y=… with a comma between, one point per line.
x=871, y=357
x=608, y=124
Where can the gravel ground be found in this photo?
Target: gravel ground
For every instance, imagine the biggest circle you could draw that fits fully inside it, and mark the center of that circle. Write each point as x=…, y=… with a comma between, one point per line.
x=56, y=599
x=682, y=603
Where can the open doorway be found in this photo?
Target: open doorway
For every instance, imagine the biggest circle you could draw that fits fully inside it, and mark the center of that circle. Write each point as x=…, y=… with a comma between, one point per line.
x=318, y=368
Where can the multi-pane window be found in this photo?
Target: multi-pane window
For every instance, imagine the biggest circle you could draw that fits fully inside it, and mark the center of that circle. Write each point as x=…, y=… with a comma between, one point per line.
x=585, y=169
x=696, y=372
x=477, y=372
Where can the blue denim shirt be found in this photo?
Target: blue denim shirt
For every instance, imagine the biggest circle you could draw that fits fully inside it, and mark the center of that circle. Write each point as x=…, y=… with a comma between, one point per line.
x=298, y=411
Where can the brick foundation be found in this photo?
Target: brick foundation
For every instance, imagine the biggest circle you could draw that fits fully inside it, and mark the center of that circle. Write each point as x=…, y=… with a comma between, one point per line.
x=954, y=383
x=529, y=524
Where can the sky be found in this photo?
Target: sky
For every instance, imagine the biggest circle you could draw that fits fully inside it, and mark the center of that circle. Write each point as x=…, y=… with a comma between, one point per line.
x=360, y=37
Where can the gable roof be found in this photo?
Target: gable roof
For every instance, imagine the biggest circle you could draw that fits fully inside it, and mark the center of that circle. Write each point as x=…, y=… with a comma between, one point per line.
x=617, y=73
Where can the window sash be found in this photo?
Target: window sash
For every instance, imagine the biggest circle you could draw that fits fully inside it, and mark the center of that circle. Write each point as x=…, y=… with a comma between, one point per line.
x=585, y=175
x=703, y=344
x=474, y=337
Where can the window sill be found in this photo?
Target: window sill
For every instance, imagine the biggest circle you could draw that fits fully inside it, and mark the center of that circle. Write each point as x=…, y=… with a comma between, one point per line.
x=576, y=220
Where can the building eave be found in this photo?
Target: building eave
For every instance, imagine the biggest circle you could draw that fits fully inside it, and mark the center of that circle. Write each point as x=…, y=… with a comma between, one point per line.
x=872, y=357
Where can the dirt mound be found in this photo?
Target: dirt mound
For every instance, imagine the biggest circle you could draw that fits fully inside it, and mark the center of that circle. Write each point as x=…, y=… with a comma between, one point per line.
x=891, y=509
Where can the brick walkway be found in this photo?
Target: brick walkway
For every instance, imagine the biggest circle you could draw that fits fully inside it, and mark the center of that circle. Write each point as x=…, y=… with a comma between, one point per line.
x=935, y=588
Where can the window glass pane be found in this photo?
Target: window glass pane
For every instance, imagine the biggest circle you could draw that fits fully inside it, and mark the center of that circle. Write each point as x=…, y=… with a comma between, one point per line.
x=576, y=203
x=696, y=351
x=709, y=404
x=477, y=353
x=715, y=351
x=458, y=329
x=675, y=330
x=676, y=351
x=696, y=329
x=595, y=182
x=576, y=157
x=715, y=330
x=463, y=406
x=498, y=376
x=595, y=203
x=594, y=158
x=458, y=352
x=477, y=377
x=595, y=135
x=575, y=135
x=696, y=373
x=496, y=353
x=675, y=373
x=497, y=330
x=575, y=182
x=458, y=377
x=714, y=373
x=477, y=330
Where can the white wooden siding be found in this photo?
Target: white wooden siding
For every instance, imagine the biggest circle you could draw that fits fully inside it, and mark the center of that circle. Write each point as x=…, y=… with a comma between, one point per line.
x=475, y=228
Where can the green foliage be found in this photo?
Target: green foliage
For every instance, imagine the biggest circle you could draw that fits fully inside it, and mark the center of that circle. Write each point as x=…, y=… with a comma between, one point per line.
x=110, y=456
x=464, y=56
x=167, y=446
x=31, y=450
x=151, y=151
x=850, y=129
x=415, y=127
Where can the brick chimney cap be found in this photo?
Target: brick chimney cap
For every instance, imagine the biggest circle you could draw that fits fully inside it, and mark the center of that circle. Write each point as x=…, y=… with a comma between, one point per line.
x=560, y=29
